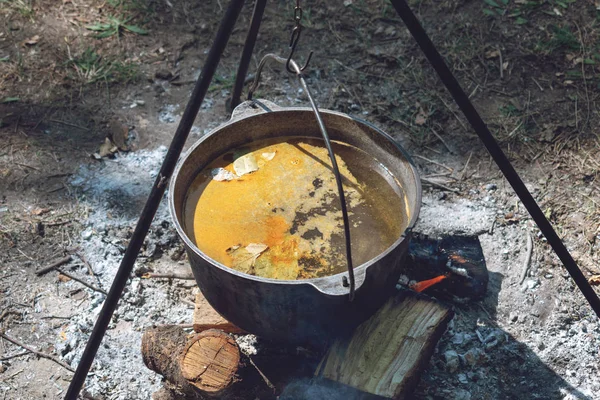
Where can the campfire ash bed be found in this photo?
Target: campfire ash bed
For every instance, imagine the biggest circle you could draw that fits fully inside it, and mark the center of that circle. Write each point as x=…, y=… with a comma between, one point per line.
x=378, y=337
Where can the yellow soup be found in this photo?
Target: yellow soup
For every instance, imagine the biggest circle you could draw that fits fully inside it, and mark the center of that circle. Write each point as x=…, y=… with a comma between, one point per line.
x=272, y=209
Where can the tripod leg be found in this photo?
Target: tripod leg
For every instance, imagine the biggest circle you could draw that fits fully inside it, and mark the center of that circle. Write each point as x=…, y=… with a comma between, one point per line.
x=156, y=194
x=465, y=105
x=257, y=15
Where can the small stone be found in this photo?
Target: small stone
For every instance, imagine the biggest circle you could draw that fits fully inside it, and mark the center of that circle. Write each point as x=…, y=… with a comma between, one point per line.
x=452, y=361
x=87, y=234
x=491, y=186
x=541, y=345
x=462, y=378
x=462, y=394
x=548, y=276
x=532, y=283
x=458, y=338
x=474, y=357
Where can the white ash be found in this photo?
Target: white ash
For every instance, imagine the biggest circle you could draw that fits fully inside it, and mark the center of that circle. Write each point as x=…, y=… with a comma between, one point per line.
x=548, y=329
x=463, y=216
x=167, y=114
x=540, y=343
x=115, y=191
x=247, y=344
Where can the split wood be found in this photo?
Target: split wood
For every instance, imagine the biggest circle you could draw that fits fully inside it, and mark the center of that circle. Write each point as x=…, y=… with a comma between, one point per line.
x=36, y=352
x=168, y=276
x=6, y=312
x=434, y=162
x=386, y=354
x=82, y=282
x=53, y=266
x=462, y=175
x=442, y=140
x=527, y=259
x=434, y=183
x=86, y=263
x=15, y=356
x=89, y=267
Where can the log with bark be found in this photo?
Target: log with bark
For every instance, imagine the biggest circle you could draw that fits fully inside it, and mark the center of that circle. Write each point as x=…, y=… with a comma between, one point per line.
x=195, y=366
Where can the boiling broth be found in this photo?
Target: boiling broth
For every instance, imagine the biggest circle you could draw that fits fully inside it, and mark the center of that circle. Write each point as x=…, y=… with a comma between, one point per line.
x=272, y=208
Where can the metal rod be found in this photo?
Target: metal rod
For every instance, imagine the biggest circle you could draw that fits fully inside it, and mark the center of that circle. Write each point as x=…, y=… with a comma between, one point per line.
x=469, y=111
x=257, y=15
x=338, y=178
x=156, y=194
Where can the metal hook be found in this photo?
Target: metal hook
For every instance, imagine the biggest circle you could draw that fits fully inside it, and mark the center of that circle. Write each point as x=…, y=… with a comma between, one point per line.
x=293, y=43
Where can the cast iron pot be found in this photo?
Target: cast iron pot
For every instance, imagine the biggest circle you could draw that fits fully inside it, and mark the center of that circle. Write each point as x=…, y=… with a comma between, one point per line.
x=301, y=311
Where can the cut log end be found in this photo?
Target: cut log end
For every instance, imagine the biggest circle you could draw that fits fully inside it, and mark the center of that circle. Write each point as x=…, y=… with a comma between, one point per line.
x=210, y=361
x=196, y=366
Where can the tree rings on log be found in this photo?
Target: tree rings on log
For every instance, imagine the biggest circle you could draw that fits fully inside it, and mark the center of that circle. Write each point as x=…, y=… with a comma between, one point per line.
x=210, y=361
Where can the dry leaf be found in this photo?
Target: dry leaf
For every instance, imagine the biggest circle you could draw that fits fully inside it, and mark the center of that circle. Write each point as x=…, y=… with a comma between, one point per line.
x=268, y=156
x=221, y=174
x=243, y=261
x=31, y=41
x=256, y=248
x=63, y=278
x=594, y=280
x=244, y=258
x=245, y=164
x=420, y=120
x=492, y=54
x=119, y=133
x=39, y=211
x=107, y=148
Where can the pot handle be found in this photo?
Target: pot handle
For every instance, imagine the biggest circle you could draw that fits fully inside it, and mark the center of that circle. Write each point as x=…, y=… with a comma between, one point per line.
x=338, y=285
x=253, y=107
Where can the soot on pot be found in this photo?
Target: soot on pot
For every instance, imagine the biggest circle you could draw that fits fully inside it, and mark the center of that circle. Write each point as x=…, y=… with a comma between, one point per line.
x=271, y=208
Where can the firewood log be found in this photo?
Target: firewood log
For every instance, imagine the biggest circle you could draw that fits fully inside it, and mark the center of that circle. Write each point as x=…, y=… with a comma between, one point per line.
x=196, y=366
x=386, y=354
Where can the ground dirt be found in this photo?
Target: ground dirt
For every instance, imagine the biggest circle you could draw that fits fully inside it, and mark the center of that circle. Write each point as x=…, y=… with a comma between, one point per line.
x=530, y=67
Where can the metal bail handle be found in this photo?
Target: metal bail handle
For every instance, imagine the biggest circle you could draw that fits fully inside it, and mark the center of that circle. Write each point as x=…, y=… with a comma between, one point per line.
x=338, y=178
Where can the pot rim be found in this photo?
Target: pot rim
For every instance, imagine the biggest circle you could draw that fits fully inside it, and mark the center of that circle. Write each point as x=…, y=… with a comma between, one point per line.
x=321, y=282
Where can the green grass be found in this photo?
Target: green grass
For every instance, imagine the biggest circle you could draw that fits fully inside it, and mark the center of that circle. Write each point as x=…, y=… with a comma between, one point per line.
x=90, y=67
x=518, y=12
x=22, y=7
x=509, y=110
x=222, y=82
x=115, y=26
x=561, y=39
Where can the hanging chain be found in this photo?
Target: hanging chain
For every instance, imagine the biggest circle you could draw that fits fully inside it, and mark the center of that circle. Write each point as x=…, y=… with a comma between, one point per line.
x=295, y=37
x=297, y=16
